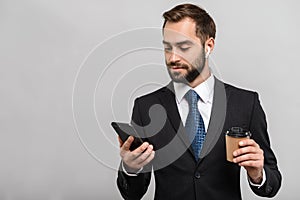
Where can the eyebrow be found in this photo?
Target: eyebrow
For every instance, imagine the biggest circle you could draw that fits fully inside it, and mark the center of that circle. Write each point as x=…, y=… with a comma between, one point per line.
x=188, y=42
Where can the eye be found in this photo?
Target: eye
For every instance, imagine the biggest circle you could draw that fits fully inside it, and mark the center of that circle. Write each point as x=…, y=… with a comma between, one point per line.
x=184, y=48
x=168, y=48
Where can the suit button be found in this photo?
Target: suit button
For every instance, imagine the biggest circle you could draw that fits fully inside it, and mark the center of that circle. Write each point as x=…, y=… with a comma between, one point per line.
x=268, y=189
x=197, y=175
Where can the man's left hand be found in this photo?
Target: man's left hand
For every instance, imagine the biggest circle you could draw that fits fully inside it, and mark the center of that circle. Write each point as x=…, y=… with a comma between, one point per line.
x=250, y=156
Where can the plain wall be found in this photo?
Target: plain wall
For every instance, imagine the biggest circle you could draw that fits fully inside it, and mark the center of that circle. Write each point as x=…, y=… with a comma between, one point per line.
x=68, y=68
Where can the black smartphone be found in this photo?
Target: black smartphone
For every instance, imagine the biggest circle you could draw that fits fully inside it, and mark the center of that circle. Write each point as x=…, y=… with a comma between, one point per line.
x=124, y=130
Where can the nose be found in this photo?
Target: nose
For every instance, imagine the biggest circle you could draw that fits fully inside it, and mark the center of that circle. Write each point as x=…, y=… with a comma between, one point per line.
x=173, y=57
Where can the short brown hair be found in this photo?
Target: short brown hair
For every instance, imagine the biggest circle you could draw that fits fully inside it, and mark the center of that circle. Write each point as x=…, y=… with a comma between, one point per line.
x=205, y=25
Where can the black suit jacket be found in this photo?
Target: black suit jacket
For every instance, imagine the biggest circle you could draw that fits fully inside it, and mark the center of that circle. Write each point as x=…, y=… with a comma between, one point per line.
x=212, y=177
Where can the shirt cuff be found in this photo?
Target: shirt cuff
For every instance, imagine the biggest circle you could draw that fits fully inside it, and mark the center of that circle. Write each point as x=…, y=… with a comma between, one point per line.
x=130, y=174
x=262, y=182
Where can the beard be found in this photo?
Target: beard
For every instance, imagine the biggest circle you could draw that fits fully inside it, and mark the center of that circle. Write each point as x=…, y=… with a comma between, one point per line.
x=192, y=71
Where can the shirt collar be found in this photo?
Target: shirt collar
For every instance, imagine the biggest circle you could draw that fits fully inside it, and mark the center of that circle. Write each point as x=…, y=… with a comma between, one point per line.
x=204, y=90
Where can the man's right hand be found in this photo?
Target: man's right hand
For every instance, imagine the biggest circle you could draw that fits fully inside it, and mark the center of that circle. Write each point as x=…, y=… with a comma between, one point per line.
x=138, y=158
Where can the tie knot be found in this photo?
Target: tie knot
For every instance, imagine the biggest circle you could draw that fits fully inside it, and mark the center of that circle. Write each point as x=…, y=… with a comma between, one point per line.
x=192, y=97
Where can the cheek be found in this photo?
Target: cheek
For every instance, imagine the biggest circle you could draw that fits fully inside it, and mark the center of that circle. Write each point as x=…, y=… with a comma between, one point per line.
x=189, y=58
x=192, y=56
x=167, y=55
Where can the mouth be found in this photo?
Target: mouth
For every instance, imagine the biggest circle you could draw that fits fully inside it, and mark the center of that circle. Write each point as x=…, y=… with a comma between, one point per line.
x=177, y=66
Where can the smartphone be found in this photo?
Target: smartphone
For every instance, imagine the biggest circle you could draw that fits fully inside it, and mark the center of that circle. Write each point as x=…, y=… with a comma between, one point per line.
x=124, y=130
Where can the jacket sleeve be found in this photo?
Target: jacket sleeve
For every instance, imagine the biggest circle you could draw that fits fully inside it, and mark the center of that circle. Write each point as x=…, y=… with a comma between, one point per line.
x=258, y=128
x=134, y=187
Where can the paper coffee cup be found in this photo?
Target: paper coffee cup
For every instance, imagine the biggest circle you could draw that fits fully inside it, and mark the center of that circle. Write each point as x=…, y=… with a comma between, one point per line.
x=233, y=137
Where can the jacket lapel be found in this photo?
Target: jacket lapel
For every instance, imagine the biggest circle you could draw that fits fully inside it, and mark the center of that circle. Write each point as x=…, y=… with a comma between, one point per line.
x=169, y=103
x=217, y=118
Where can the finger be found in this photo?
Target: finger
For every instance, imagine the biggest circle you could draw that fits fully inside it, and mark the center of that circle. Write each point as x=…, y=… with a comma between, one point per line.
x=149, y=158
x=141, y=148
x=246, y=150
x=127, y=144
x=142, y=160
x=251, y=163
x=145, y=154
x=247, y=157
x=131, y=156
x=248, y=142
x=137, y=157
x=120, y=141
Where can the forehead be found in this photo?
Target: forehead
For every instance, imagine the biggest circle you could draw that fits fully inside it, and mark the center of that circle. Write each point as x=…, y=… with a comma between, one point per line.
x=179, y=31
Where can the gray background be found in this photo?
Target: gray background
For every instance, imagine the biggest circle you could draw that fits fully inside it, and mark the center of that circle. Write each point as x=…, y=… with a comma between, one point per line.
x=43, y=44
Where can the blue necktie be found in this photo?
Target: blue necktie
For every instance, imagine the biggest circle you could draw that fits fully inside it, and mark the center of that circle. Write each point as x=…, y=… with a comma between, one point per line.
x=194, y=124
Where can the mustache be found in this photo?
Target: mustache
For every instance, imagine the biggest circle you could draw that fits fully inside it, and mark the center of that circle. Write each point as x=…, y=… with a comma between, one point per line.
x=177, y=64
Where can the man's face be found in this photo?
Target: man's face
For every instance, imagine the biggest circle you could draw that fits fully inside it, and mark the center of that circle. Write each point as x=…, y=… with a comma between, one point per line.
x=184, y=52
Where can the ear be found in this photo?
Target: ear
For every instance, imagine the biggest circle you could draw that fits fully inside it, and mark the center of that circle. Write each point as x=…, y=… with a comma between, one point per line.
x=209, y=46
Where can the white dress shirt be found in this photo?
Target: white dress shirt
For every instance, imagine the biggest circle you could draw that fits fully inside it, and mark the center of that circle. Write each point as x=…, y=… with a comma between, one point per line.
x=205, y=91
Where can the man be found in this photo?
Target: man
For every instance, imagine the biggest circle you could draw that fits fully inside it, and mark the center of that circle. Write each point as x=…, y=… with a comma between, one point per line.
x=199, y=169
